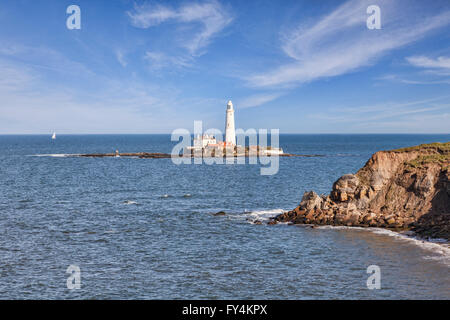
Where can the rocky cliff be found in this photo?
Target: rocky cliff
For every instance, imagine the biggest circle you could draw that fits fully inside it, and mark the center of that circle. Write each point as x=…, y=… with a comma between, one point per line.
x=400, y=189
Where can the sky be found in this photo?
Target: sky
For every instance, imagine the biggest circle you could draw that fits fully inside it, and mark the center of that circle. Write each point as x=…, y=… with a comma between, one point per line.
x=299, y=66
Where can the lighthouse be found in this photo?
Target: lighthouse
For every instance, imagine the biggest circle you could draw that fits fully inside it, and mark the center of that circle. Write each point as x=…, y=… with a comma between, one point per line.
x=230, y=132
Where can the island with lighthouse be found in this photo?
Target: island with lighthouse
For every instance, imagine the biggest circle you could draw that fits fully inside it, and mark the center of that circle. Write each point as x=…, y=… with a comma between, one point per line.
x=207, y=145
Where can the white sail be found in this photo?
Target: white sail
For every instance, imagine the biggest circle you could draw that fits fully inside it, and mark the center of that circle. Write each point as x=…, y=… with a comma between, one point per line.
x=54, y=136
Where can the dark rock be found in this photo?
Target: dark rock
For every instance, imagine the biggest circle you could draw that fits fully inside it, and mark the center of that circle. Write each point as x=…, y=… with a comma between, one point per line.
x=399, y=189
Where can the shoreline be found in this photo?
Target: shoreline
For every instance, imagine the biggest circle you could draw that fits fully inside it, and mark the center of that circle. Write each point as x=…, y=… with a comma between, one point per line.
x=398, y=190
x=438, y=246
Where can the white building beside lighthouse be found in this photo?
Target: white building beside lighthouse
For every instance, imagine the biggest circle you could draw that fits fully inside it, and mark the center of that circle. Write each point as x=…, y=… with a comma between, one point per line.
x=206, y=145
x=230, y=132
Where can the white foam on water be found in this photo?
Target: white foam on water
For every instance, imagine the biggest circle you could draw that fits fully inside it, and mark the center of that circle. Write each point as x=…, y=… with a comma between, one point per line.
x=439, y=247
x=49, y=155
x=127, y=202
x=262, y=215
x=110, y=231
x=55, y=155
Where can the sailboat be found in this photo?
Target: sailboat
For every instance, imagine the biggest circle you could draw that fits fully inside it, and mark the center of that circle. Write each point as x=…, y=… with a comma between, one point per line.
x=54, y=136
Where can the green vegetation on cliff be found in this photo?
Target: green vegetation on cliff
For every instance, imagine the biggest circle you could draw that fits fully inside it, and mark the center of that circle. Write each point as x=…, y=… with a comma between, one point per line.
x=431, y=153
x=436, y=147
x=384, y=194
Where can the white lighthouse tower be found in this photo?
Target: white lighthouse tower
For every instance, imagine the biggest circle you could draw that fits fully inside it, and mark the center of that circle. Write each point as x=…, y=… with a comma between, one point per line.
x=230, y=132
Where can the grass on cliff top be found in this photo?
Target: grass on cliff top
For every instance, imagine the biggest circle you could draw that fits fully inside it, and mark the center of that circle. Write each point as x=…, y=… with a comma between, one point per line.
x=442, y=148
x=433, y=153
x=442, y=159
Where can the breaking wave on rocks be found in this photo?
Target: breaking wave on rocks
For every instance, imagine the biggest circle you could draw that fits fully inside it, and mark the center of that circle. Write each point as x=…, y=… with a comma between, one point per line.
x=262, y=215
x=439, y=247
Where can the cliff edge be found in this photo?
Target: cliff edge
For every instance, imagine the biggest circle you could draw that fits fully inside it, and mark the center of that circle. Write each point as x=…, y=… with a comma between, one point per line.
x=403, y=189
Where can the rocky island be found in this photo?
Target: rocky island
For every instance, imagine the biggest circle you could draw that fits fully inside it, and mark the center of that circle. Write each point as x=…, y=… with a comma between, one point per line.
x=403, y=189
x=159, y=155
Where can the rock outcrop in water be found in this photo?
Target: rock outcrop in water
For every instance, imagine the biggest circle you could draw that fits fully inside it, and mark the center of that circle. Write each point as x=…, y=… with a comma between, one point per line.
x=159, y=155
x=400, y=189
x=152, y=155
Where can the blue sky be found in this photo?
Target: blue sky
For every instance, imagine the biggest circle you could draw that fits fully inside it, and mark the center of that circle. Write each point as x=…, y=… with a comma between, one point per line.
x=154, y=66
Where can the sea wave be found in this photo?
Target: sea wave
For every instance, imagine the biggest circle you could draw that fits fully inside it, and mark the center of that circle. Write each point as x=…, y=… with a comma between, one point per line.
x=55, y=155
x=262, y=215
x=439, y=247
x=128, y=202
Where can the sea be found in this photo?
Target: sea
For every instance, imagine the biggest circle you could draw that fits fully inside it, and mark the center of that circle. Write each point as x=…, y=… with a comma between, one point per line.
x=145, y=228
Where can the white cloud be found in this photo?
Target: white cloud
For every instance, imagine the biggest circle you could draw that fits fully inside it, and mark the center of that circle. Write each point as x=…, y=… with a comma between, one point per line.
x=256, y=100
x=159, y=60
x=435, y=71
x=211, y=15
x=407, y=79
x=28, y=106
x=13, y=79
x=31, y=102
x=425, y=62
x=387, y=111
x=44, y=58
x=340, y=43
x=121, y=58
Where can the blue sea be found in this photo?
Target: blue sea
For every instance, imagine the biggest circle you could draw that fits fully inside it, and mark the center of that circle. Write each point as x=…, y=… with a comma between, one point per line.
x=146, y=229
